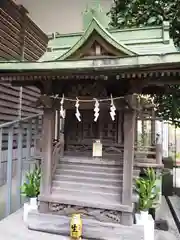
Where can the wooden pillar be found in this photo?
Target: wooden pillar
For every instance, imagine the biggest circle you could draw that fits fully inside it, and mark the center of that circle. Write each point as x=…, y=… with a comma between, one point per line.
x=143, y=131
x=58, y=124
x=159, y=151
x=153, y=130
x=136, y=131
x=47, y=147
x=129, y=135
x=119, y=137
x=153, y=135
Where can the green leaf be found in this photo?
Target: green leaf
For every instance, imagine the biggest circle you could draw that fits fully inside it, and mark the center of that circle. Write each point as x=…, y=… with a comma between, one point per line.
x=31, y=186
x=139, y=13
x=147, y=190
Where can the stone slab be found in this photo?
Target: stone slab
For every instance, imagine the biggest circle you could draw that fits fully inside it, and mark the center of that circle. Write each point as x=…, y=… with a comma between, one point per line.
x=164, y=213
x=13, y=228
x=174, y=202
x=91, y=228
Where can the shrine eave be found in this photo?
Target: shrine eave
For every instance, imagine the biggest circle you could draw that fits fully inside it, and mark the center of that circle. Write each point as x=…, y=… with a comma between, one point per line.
x=130, y=64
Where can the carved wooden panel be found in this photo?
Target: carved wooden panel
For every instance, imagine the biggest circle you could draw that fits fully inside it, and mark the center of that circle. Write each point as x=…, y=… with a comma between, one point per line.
x=101, y=215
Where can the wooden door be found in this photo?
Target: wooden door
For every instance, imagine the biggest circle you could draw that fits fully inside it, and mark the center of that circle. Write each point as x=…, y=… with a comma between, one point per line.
x=86, y=131
x=108, y=128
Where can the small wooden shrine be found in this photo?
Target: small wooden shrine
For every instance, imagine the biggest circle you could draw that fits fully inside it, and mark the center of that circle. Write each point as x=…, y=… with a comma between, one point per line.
x=90, y=81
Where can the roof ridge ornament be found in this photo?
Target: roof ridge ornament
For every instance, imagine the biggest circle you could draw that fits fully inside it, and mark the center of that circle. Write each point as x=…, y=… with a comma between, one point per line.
x=95, y=11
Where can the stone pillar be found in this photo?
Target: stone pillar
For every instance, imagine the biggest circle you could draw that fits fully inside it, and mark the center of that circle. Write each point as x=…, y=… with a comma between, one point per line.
x=129, y=135
x=47, y=148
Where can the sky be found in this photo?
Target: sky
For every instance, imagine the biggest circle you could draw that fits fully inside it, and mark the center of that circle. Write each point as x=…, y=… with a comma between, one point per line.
x=63, y=16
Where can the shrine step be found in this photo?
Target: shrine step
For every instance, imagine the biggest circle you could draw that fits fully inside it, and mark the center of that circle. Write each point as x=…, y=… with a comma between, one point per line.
x=89, y=172
x=90, y=167
x=108, y=160
x=88, y=179
x=87, y=200
x=95, y=195
x=86, y=187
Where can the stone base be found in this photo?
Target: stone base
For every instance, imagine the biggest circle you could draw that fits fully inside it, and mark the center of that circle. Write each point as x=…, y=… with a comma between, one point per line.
x=93, y=229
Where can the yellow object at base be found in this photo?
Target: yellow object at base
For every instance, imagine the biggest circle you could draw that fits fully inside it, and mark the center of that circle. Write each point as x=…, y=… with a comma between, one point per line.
x=76, y=226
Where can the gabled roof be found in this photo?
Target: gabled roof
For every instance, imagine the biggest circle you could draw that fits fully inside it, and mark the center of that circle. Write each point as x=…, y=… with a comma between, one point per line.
x=136, y=41
x=95, y=26
x=135, y=44
x=130, y=42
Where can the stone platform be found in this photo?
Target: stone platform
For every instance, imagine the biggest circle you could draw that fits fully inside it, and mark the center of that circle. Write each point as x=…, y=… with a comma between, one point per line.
x=92, y=229
x=13, y=228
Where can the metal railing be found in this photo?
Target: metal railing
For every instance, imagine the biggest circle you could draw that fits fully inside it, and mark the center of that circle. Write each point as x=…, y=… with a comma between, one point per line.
x=18, y=154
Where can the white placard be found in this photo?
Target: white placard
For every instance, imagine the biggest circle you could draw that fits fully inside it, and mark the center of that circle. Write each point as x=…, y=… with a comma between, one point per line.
x=97, y=149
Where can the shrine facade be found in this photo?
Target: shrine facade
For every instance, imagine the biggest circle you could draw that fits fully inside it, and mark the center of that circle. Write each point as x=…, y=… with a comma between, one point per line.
x=91, y=81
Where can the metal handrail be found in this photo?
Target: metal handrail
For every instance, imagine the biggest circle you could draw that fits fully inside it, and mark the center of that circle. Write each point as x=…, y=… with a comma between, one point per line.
x=8, y=124
x=21, y=153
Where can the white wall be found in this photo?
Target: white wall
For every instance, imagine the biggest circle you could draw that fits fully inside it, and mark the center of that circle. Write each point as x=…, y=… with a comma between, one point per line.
x=63, y=16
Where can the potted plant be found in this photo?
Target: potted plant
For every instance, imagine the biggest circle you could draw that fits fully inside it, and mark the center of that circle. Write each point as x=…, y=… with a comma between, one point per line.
x=31, y=189
x=148, y=192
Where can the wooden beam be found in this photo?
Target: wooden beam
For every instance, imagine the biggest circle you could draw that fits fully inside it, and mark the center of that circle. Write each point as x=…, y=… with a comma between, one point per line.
x=47, y=147
x=129, y=134
x=44, y=101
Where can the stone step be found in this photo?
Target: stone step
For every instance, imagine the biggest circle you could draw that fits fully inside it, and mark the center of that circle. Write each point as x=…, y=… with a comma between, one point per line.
x=90, y=167
x=92, y=229
x=87, y=187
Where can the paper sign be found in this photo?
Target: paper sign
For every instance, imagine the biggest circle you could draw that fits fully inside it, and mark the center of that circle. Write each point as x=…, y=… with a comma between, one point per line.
x=97, y=149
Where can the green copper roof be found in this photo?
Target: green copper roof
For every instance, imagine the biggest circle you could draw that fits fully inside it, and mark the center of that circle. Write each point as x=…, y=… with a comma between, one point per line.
x=96, y=26
x=126, y=63
x=150, y=44
x=140, y=41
